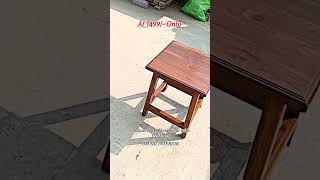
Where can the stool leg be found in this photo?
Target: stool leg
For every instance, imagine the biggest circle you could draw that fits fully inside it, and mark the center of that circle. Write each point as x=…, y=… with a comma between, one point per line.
x=152, y=88
x=200, y=101
x=190, y=115
x=183, y=133
x=165, y=88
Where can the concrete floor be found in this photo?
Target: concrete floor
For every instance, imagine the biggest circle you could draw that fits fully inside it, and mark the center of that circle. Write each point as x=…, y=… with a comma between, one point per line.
x=53, y=89
x=234, y=121
x=132, y=48
x=53, y=104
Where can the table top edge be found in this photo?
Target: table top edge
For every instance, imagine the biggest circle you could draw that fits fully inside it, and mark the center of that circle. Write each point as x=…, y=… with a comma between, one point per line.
x=305, y=99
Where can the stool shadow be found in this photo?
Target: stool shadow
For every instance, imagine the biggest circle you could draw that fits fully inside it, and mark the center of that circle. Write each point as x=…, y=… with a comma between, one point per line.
x=228, y=156
x=127, y=120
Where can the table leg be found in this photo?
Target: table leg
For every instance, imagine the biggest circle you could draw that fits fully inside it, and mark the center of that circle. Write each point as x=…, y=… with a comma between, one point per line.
x=283, y=137
x=289, y=142
x=149, y=98
x=106, y=161
x=191, y=111
x=266, y=135
x=292, y=117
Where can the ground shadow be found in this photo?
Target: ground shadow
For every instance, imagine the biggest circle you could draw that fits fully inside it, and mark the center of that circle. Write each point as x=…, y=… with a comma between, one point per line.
x=127, y=120
x=228, y=156
x=31, y=151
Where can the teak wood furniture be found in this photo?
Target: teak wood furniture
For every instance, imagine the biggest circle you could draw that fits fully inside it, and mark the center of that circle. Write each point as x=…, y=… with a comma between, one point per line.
x=267, y=53
x=185, y=69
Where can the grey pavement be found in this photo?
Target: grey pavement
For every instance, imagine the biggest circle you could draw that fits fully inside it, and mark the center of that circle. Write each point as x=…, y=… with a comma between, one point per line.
x=29, y=150
x=53, y=74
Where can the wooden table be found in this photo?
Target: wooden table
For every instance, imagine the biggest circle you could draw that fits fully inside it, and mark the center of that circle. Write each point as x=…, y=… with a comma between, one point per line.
x=184, y=68
x=267, y=53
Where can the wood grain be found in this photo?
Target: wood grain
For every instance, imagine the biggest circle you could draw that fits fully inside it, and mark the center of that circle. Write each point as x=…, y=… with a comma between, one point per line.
x=184, y=64
x=166, y=116
x=266, y=135
x=284, y=135
x=273, y=43
x=267, y=53
x=150, y=98
x=184, y=68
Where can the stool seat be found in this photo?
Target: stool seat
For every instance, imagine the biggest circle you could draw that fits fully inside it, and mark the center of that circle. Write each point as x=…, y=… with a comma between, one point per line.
x=184, y=64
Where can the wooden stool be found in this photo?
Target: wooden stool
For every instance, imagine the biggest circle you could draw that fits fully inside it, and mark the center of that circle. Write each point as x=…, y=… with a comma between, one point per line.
x=185, y=69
